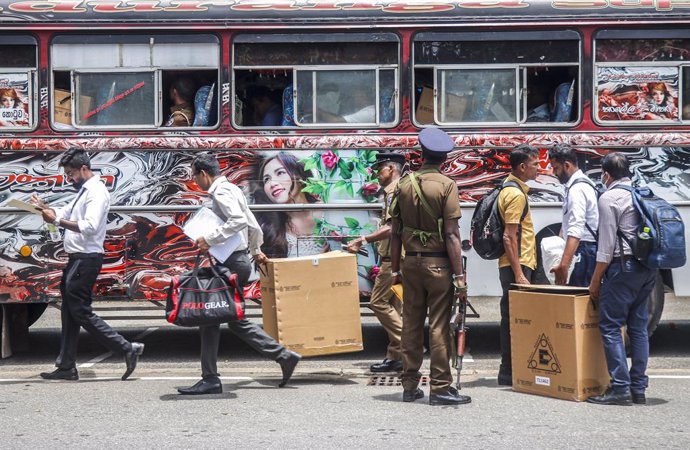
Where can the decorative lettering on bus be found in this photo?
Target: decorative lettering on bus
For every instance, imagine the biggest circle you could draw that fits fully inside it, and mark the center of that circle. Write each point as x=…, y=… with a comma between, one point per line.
x=25, y=182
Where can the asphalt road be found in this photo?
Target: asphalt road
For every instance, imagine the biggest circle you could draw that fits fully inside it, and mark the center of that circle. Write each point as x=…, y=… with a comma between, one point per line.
x=332, y=402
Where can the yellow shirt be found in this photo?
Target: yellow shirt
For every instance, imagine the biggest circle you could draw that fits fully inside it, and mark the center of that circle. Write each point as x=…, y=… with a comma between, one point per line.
x=511, y=205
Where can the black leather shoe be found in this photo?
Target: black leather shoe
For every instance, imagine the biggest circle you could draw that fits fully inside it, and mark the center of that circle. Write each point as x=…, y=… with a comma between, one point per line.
x=412, y=395
x=611, y=397
x=203, y=387
x=131, y=359
x=287, y=365
x=61, y=374
x=639, y=399
x=505, y=379
x=388, y=365
x=451, y=397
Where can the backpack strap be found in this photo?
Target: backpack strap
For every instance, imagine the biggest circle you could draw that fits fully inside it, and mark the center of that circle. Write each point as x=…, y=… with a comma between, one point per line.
x=524, y=212
x=589, y=182
x=421, y=234
x=619, y=233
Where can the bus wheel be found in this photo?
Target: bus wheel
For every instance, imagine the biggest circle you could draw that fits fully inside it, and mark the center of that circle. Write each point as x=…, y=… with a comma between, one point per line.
x=21, y=317
x=655, y=305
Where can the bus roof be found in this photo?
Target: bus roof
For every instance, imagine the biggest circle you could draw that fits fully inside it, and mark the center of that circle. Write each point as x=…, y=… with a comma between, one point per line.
x=235, y=12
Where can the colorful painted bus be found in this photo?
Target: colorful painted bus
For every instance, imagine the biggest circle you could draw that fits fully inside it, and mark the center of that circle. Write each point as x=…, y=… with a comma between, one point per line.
x=296, y=97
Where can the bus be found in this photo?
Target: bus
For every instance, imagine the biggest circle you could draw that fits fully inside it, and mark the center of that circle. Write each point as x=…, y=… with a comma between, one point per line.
x=295, y=98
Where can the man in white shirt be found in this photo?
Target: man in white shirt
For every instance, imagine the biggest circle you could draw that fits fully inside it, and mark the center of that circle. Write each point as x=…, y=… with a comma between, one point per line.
x=229, y=203
x=580, y=218
x=84, y=220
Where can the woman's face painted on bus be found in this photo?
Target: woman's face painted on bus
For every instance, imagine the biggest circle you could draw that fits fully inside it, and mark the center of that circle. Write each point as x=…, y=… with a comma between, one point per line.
x=278, y=182
x=658, y=96
x=6, y=102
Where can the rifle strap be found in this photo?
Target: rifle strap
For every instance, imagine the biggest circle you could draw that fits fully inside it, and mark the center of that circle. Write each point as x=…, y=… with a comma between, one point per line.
x=424, y=235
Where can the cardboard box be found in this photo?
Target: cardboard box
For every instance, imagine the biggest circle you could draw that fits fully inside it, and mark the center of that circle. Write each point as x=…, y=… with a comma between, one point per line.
x=425, y=107
x=62, y=106
x=310, y=304
x=455, y=108
x=556, y=345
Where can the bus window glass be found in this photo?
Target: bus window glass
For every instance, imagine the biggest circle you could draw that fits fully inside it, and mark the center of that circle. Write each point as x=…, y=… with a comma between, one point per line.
x=638, y=81
x=139, y=81
x=483, y=78
x=115, y=98
x=477, y=96
x=17, y=78
x=315, y=80
x=347, y=97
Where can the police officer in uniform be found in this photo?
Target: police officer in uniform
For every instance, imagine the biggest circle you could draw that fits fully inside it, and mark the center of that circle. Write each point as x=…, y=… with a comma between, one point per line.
x=425, y=211
x=385, y=305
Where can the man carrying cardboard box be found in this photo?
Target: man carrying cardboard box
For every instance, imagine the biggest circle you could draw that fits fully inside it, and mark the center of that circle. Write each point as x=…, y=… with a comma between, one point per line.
x=386, y=307
x=624, y=292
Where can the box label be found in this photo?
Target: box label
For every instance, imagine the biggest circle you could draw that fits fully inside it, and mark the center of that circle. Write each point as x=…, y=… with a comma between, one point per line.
x=543, y=357
x=542, y=381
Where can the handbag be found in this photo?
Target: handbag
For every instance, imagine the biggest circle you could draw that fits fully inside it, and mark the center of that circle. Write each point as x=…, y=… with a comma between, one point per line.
x=204, y=296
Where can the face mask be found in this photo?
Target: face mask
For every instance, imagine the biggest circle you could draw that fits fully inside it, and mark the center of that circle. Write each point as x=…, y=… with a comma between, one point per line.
x=605, y=181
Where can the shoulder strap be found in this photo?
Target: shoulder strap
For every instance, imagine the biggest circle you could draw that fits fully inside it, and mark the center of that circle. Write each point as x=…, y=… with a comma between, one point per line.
x=426, y=205
x=524, y=212
x=590, y=183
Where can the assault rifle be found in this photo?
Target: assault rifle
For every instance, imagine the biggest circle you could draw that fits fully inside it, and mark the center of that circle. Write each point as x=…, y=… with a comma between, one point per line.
x=457, y=326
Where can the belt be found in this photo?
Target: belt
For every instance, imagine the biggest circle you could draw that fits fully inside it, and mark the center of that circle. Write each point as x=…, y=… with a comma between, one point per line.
x=618, y=258
x=385, y=259
x=586, y=243
x=84, y=255
x=428, y=254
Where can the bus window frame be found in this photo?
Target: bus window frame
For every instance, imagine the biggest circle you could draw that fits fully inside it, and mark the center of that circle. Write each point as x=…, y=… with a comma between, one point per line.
x=608, y=34
x=343, y=68
x=32, y=75
x=157, y=107
x=307, y=38
x=525, y=36
x=60, y=127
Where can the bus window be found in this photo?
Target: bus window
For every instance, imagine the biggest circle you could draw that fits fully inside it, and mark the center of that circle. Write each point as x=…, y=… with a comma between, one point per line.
x=122, y=82
x=314, y=80
x=638, y=77
x=17, y=82
x=521, y=78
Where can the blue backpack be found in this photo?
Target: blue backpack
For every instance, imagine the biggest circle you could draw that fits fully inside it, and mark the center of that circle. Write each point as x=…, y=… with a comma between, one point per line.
x=667, y=230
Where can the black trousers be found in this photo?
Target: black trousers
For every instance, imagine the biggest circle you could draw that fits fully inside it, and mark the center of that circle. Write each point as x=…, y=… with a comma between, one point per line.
x=507, y=277
x=252, y=334
x=76, y=288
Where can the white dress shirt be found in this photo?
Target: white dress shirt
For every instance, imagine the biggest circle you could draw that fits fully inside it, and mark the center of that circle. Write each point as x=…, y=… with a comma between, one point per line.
x=90, y=210
x=229, y=203
x=580, y=207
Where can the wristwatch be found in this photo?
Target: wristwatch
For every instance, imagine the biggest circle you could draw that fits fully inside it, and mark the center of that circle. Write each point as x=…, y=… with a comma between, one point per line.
x=56, y=222
x=397, y=274
x=363, y=240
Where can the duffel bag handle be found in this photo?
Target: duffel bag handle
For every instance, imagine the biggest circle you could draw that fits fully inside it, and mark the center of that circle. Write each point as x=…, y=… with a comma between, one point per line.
x=212, y=265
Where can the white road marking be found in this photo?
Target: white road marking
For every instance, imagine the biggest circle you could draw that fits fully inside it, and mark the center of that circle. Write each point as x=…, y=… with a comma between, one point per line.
x=31, y=379
x=107, y=355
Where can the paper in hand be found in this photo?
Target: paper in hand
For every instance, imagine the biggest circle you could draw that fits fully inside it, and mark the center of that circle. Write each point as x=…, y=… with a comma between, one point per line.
x=25, y=206
x=203, y=221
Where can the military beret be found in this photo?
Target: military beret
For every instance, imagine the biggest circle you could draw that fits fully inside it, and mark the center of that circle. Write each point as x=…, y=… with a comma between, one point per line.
x=383, y=157
x=435, y=141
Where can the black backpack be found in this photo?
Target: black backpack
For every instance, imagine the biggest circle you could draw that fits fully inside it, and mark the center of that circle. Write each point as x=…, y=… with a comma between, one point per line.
x=487, y=225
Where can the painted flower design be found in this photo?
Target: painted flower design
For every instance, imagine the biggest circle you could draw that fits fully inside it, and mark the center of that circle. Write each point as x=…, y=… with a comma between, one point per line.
x=374, y=272
x=370, y=189
x=330, y=159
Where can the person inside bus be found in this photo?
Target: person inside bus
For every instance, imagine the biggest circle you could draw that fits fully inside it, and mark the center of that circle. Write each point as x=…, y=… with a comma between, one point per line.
x=267, y=111
x=279, y=181
x=182, y=91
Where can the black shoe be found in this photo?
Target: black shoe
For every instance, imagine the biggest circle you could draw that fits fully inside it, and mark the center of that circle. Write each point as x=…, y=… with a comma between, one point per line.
x=639, y=399
x=412, y=395
x=451, y=397
x=505, y=379
x=61, y=374
x=388, y=365
x=287, y=365
x=203, y=387
x=131, y=359
x=611, y=397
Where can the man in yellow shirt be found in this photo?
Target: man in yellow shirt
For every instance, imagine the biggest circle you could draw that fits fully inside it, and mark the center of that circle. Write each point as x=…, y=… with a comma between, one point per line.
x=519, y=261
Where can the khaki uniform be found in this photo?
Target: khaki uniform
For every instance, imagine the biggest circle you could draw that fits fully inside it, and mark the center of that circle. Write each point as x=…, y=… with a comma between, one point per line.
x=386, y=307
x=427, y=275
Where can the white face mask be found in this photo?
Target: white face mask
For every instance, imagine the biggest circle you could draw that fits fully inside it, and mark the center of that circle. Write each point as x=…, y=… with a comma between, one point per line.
x=606, y=181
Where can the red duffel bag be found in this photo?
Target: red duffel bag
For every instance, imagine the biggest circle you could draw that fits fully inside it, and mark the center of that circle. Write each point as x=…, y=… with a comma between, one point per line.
x=204, y=296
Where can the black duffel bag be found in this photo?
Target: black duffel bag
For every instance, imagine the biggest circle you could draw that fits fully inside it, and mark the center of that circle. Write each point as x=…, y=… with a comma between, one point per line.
x=204, y=296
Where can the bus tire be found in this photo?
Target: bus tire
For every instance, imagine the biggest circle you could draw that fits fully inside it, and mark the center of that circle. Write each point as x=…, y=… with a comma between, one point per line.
x=33, y=313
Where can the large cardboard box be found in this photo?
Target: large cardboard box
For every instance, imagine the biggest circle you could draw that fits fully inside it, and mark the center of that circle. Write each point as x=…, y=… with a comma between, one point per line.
x=62, y=106
x=425, y=107
x=311, y=303
x=556, y=345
